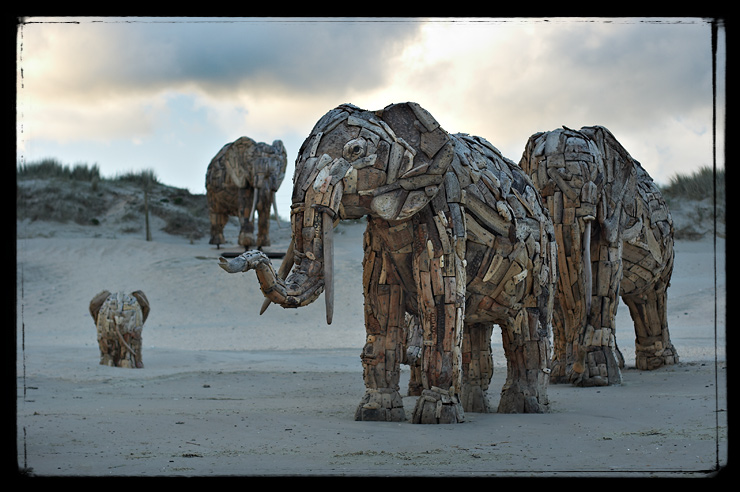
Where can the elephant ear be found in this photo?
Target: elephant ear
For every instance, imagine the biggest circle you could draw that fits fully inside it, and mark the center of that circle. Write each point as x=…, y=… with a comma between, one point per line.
x=235, y=155
x=278, y=164
x=143, y=303
x=420, y=155
x=96, y=303
x=620, y=180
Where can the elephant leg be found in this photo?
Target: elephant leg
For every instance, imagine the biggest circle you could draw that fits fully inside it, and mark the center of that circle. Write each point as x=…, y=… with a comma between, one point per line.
x=477, y=366
x=653, y=347
x=564, y=327
x=438, y=273
x=597, y=359
x=218, y=222
x=382, y=353
x=263, y=221
x=246, y=220
x=412, y=354
x=527, y=348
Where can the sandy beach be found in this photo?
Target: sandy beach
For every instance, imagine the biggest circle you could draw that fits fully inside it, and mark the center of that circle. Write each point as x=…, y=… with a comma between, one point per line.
x=227, y=392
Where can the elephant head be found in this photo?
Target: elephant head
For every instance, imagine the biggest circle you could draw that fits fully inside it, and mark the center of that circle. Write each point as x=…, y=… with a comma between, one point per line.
x=97, y=302
x=266, y=174
x=388, y=163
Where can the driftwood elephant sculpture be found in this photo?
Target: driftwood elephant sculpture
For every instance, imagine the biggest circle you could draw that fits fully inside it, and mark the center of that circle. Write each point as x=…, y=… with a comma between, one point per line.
x=240, y=180
x=119, y=319
x=456, y=237
x=615, y=238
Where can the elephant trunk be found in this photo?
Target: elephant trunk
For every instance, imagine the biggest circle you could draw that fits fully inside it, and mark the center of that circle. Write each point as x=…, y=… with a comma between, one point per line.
x=289, y=292
x=586, y=255
x=299, y=285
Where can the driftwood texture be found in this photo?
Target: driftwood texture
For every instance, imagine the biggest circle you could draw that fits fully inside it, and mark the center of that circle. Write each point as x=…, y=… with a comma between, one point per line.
x=615, y=238
x=240, y=180
x=119, y=319
x=457, y=240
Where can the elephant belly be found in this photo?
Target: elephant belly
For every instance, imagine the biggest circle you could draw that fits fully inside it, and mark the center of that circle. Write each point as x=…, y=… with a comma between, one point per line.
x=223, y=200
x=642, y=269
x=499, y=284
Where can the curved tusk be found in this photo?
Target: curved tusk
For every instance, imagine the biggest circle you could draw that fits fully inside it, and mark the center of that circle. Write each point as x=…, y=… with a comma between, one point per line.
x=283, y=271
x=327, y=233
x=254, y=206
x=587, y=265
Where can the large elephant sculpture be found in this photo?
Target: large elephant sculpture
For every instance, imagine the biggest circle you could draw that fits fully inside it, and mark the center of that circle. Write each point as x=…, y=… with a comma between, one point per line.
x=615, y=238
x=119, y=319
x=456, y=237
x=240, y=180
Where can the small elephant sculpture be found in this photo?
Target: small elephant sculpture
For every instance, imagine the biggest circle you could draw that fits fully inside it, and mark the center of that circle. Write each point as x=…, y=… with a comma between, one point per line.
x=615, y=238
x=456, y=238
x=119, y=319
x=241, y=179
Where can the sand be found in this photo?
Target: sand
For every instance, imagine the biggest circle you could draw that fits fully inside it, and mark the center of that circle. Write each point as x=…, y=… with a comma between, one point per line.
x=226, y=392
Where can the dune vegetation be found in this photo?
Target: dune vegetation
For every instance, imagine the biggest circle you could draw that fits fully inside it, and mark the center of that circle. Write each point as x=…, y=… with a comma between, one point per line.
x=50, y=190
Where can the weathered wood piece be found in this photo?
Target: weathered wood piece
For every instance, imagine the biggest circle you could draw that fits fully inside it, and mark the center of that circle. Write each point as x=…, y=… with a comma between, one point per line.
x=615, y=238
x=457, y=240
x=119, y=319
x=241, y=180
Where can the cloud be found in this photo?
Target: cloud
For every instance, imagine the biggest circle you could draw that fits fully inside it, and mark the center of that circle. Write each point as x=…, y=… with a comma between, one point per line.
x=168, y=90
x=648, y=82
x=215, y=56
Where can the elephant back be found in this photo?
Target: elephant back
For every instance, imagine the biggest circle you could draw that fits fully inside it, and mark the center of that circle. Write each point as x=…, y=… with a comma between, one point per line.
x=494, y=189
x=238, y=164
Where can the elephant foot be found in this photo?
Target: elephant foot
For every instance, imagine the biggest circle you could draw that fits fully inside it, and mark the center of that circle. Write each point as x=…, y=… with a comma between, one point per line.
x=381, y=405
x=437, y=406
x=246, y=239
x=263, y=241
x=558, y=372
x=597, y=367
x=415, y=389
x=107, y=360
x=655, y=356
x=124, y=362
x=415, y=380
x=217, y=239
x=517, y=398
x=474, y=399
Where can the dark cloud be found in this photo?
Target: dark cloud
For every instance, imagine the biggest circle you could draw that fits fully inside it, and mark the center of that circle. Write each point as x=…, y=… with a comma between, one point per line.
x=221, y=56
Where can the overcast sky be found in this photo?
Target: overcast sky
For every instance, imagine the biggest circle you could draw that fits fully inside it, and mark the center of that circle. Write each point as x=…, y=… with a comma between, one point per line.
x=166, y=94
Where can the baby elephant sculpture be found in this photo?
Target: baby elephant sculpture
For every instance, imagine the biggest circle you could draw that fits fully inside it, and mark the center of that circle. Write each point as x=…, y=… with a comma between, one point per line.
x=241, y=179
x=119, y=319
x=456, y=237
x=615, y=238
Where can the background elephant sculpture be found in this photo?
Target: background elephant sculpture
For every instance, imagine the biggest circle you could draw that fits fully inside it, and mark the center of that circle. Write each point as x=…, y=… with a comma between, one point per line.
x=615, y=238
x=119, y=319
x=241, y=179
x=456, y=235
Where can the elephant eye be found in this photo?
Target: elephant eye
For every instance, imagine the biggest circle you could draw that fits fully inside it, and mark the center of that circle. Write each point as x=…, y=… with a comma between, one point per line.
x=354, y=149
